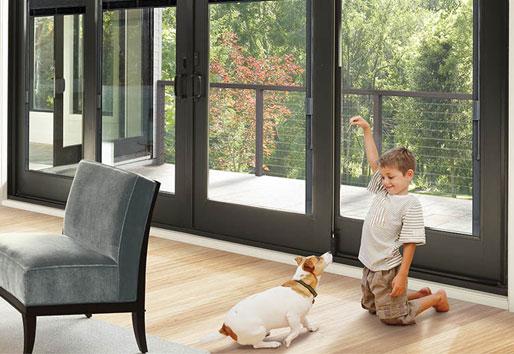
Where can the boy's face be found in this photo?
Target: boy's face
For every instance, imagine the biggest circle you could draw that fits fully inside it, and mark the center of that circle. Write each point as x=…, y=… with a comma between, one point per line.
x=394, y=181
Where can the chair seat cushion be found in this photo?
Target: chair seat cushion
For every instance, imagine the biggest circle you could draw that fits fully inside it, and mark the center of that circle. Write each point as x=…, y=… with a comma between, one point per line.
x=55, y=269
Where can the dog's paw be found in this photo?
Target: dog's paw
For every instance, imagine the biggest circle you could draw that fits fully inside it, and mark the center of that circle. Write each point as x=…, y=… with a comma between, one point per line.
x=275, y=344
x=267, y=345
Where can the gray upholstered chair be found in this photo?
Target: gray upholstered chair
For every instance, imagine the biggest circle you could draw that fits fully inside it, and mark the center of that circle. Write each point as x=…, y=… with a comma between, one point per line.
x=97, y=265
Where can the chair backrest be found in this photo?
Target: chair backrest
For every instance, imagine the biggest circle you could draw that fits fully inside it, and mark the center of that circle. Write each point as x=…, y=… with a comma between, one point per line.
x=109, y=211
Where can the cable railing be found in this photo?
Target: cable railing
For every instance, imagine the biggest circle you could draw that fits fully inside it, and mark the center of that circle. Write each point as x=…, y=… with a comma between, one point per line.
x=455, y=157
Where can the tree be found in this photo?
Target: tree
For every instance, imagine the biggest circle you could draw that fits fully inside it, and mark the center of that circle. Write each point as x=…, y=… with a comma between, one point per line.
x=232, y=112
x=411, y=46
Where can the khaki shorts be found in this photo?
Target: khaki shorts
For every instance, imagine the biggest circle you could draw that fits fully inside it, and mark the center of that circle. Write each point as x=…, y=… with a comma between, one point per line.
x=376, y=287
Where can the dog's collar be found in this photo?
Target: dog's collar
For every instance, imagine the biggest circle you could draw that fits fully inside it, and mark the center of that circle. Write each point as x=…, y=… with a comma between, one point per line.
x=308, y=287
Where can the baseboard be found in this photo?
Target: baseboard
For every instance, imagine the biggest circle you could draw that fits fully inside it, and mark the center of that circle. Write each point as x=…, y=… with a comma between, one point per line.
x=15, y=204
x=474, y=296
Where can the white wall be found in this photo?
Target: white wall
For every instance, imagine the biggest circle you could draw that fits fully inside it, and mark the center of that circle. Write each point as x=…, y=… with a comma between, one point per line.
x=3, y=98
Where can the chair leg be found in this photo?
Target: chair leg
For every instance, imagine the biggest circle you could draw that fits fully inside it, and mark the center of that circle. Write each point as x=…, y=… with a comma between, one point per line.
x=29, y=333
x=138, y=322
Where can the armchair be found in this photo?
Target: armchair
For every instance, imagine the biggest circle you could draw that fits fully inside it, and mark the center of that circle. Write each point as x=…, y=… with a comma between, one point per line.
x=97, y=265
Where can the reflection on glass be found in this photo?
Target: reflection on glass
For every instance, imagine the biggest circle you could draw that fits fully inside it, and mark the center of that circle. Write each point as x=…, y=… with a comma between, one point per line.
x=167, y=64
x=55, y=115
x=432, y=53
x=257, y=135
x=126, y=84
x=41, y=113
x=138, y=129
x=43, y=69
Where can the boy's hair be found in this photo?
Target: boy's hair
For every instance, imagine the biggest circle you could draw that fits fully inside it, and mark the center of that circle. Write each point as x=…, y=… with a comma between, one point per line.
x=400, y=157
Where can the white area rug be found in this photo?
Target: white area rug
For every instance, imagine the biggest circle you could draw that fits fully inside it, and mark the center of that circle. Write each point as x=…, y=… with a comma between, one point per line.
x=77, y=334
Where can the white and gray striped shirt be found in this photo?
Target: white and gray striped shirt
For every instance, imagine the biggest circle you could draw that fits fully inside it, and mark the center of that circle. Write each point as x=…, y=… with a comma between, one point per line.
x=392, y=220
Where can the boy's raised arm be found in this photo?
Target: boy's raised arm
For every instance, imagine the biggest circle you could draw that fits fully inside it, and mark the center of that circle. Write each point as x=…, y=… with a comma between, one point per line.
x=369, y=143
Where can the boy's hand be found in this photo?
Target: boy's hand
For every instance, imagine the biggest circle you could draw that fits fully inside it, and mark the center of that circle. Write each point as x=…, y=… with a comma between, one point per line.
x=399, y=285
x=361, y=122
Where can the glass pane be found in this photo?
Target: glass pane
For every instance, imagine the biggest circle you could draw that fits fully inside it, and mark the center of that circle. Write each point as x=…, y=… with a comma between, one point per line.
x=138, y=129
x=432, y=53
x=257, y=133
x=74, y=74
x=43, y=69
x=41, y=114
x=55, y=117
x=165, y=68
x=126, y=83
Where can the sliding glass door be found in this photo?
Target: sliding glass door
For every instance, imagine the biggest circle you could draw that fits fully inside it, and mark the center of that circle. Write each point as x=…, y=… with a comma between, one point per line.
x=424, y=88
x=260, y=136
x=51, y=141
x=146, y=106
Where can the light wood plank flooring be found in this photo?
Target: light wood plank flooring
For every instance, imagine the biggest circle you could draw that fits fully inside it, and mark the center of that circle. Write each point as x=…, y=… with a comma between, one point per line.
x=190, y=288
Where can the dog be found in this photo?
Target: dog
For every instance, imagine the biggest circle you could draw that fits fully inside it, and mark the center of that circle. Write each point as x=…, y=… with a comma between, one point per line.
x=252, y=319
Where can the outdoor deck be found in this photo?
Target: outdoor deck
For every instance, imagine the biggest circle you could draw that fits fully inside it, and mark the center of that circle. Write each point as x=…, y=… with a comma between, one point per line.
x=289, y=195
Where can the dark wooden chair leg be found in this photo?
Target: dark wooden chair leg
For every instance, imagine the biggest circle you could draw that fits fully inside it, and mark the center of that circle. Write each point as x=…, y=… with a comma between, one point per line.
x=88, y=315
x=138, y=322
x=29, y=333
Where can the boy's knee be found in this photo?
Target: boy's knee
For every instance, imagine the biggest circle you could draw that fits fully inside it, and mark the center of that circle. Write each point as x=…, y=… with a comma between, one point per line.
x=399, y=321
x=392, y=321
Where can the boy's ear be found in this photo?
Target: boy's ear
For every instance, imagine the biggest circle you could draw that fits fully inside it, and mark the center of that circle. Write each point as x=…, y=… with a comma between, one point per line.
x=409, y=173
x=299, y=260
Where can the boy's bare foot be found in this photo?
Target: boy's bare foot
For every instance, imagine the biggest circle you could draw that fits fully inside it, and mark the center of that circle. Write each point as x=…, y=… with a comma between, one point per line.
x=425, y=292
x=442, y=305
x=413, y=295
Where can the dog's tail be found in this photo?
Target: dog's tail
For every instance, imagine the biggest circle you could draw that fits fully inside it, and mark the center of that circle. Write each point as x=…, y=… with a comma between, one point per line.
x=224, y=333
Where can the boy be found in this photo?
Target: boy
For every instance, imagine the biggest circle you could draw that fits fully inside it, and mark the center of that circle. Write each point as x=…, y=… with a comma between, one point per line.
x=395, y=219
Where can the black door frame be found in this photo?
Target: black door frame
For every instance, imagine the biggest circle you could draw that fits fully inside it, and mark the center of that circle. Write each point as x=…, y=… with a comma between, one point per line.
x=62, y=155
x=37, y=186
x=478, y=261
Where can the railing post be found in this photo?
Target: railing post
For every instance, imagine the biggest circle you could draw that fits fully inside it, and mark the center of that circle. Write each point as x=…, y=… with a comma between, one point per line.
x=377, y=121
x=259, y=131
x=161, y=124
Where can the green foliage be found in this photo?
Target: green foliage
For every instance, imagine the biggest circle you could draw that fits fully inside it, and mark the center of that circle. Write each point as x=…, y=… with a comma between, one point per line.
x=43, y=94
x=411, y=46
x=169, y=128
x=404, y=45
x=169, y=43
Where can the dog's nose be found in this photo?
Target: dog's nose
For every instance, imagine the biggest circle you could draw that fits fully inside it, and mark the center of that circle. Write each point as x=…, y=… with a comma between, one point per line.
x=327, y=257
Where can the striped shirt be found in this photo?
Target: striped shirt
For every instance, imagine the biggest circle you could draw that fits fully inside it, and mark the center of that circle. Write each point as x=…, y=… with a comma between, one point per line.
x=392, y=220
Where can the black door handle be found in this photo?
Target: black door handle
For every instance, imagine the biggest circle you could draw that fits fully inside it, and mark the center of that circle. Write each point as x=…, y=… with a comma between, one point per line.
x=197, y=85
x=59, y=86
x=180, y=86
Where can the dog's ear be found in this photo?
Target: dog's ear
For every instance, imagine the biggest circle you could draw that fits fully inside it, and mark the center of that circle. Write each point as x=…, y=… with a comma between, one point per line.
x=309, y=265
x=299, y=260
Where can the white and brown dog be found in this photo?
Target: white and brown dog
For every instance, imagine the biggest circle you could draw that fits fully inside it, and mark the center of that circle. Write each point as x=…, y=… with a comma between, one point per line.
x=252, y=319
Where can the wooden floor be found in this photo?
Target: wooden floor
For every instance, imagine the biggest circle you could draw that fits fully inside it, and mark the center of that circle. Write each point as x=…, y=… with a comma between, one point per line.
x=190, y=288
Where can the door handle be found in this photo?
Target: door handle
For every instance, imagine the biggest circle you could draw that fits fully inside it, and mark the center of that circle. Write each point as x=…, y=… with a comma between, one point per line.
x=197, y=86
x=179, y=83
x=59, y=86
x=175, y=85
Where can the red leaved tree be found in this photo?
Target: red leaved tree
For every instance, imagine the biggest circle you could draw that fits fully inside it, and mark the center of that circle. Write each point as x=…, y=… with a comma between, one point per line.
x=232, y=111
